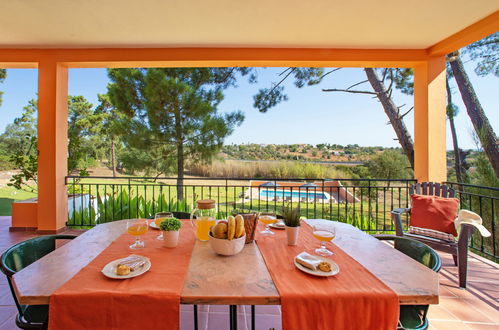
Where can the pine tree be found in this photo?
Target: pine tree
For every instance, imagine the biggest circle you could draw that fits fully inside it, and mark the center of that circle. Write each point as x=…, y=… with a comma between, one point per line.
x=171, y=115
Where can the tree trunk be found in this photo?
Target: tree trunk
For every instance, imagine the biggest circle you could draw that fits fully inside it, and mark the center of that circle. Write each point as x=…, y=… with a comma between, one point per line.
x=475, y=111
x=457, y=155
x=180, y=155
x=392, y=112
x=113, y=156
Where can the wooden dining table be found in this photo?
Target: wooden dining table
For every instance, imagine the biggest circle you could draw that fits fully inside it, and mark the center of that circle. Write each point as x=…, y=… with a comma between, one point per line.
x=242, y=279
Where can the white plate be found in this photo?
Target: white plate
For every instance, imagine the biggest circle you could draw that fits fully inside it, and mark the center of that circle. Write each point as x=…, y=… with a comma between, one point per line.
x=153, y=225
x=276, y=226
x=335, y=269
x=109, y=270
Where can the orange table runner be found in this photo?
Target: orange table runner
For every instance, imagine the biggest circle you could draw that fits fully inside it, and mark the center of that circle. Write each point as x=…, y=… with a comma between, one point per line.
x=150, y=301
x=352, y=299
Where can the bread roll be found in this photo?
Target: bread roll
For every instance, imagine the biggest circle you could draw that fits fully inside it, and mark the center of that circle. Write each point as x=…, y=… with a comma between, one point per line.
x=239, y=226
x=231, y=228
x=220, y=231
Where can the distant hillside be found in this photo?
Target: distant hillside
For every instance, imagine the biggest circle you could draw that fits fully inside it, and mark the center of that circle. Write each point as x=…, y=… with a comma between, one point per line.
x=321, y=152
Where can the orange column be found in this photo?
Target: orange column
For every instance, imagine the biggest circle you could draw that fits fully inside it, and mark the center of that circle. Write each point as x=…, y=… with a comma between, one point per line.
x=52, y=146
x=429, y=121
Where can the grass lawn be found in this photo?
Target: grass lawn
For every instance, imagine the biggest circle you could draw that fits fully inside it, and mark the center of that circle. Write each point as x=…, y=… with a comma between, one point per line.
x=9, y=195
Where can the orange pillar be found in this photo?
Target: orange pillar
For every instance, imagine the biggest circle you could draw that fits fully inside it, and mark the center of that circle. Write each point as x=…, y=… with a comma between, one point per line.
x=429, y=121
x=52, y=146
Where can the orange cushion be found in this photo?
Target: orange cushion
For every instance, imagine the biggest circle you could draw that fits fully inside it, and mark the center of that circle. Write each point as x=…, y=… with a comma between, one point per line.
x=433, y=212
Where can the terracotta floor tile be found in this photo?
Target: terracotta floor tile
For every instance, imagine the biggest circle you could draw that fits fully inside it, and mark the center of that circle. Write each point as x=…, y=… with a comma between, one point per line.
x=220, y=321
x=6, y=299
x=463, y=310
x=488, y=288
x=457, y=291
x=449, y=325
x=445, y=292
x=439, y=312
x=7, y=312
x=265, y=322
x=480, y=326
x=187, y=320
x=490, y=310
x=9, y=324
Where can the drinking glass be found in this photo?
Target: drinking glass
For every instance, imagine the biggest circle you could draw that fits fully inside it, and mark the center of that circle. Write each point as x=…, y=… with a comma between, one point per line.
x=137, y=228
x=158, y=218
x=267, y=220
x=324, y=233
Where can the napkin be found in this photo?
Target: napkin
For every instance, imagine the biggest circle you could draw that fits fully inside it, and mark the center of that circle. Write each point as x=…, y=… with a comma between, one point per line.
x=307, y=260
x=133, y=261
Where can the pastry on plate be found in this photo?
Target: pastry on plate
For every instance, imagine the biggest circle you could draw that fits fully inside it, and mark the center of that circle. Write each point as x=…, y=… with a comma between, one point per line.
x=122, y=270
x=325, y=266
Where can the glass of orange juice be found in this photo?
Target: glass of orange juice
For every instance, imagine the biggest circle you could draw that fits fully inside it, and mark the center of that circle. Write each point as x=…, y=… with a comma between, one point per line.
x=137, y=228
x=159, y=218
x=267, y=219
x=324, y=233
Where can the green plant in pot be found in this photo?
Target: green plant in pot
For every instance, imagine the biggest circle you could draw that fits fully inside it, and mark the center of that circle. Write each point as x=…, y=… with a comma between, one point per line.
x=292, y=218
x=171, y=230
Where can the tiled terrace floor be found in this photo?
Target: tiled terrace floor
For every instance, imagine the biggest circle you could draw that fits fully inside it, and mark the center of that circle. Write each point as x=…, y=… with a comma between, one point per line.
x=474, y=308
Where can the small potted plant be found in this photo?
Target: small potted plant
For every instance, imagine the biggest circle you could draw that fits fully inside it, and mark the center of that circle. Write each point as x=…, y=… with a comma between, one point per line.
x=170, y=228
x=291, y=218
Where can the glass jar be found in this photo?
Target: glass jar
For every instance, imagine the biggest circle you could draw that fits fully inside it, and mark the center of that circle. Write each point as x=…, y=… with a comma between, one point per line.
x=204, y=217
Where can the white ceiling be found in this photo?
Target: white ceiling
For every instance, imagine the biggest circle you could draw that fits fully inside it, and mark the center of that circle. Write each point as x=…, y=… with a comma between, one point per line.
x=405, y=24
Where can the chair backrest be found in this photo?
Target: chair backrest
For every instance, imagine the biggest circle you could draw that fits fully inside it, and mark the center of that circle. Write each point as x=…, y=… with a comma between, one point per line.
x=417, y=250
x=24, y=254
x=182, y=215
x=432, y=188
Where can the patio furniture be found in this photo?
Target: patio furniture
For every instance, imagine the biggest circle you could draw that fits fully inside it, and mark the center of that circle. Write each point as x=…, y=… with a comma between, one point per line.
x=414, y=316
x=251, y=282
x=178, y=215
x=458, y=249
x=17, y=258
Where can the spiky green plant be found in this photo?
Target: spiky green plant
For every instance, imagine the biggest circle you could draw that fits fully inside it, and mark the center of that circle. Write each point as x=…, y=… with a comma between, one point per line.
x=291, y=216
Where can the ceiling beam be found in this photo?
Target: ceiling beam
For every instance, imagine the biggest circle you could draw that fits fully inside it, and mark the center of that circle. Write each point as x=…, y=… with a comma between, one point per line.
x=216, y=57
x=472, y=33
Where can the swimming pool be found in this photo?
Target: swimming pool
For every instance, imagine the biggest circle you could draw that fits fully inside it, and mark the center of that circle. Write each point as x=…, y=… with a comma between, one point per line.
x=293, y=194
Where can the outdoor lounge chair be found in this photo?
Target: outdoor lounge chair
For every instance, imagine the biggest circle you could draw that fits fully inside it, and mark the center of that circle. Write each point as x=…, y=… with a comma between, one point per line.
x=414, y=316
x=20, y=256
x=458, y=249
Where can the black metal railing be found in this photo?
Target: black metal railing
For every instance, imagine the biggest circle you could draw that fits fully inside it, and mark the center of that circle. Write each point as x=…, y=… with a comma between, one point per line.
x=484, y=201
x=364, y=203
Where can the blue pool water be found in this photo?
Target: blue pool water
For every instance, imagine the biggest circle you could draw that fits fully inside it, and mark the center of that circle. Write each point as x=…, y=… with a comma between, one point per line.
x=293, y=194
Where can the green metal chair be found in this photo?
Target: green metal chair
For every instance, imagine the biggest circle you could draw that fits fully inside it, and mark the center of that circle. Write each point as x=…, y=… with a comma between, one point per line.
x=20, y=256
x=414, y=316
x=178, y=215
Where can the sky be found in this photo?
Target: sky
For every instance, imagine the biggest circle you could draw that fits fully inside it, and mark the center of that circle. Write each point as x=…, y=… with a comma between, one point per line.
x=309, y=116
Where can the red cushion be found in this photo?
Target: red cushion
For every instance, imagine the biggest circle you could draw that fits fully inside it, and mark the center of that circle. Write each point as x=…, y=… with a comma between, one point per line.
x=433, y=212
